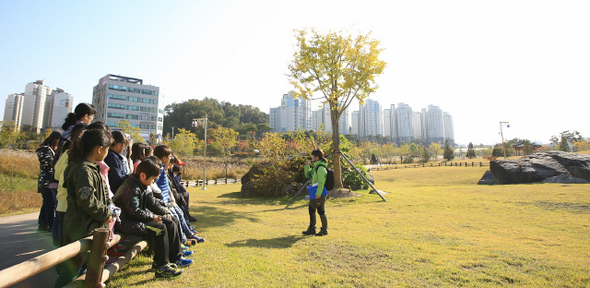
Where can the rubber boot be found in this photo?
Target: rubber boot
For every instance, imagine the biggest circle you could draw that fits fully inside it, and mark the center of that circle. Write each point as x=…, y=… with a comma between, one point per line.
x=310, y=231
x=324, y=229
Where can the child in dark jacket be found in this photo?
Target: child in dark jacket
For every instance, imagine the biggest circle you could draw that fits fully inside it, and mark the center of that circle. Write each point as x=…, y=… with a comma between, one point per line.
x=141, y=215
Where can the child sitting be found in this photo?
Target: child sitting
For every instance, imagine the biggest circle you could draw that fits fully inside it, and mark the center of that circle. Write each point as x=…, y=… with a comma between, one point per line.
x=137, y=218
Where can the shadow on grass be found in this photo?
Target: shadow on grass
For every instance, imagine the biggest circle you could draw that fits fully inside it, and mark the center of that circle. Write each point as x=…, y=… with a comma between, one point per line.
x=282, y=242
x=209, y=216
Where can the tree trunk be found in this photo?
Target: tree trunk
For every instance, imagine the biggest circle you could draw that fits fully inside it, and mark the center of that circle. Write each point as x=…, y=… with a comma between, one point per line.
x=335, y=116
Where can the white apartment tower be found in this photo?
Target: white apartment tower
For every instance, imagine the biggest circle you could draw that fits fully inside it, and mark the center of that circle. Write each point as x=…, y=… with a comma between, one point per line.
x=405, y=123
x=120, y=98
x=417, y=122
x=435, y=125
x=293, y=114
x=370, y=119
x=449, y=128
x=36, y=102
x=58, y=105
x=13, y=110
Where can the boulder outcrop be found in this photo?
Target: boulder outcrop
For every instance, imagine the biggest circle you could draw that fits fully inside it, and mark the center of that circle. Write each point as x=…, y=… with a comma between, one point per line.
x=540, y=166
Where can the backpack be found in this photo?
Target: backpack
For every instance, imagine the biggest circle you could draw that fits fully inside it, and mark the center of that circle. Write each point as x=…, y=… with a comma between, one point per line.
x=329, y=179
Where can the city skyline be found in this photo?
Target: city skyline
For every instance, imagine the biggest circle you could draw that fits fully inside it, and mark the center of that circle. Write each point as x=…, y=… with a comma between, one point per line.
x=524, y=62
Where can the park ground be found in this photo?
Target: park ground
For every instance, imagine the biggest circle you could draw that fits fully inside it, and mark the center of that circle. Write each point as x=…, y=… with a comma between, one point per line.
x=437, y=229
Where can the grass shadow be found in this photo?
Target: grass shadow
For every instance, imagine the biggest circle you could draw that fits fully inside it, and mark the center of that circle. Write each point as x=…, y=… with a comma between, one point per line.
x=281, y=243
x=209, y=216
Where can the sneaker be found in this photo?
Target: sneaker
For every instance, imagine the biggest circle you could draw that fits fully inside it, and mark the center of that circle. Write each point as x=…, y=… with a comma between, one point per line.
x=168, y=271
x=190, y=242
x=184, y=247
x=184, y=262
x=187, y=253
x=199, y=239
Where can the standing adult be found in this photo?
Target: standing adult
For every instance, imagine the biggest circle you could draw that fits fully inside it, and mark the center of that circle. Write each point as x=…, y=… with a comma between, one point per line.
x=316, y=170
x=84, y=113
x=46, y=183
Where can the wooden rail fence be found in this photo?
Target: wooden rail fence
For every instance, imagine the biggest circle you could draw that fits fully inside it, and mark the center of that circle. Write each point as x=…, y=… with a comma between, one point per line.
x=96, y=274
x=423, y=165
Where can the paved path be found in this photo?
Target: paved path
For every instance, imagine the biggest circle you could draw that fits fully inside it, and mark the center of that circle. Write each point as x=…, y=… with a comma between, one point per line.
x=19, y=241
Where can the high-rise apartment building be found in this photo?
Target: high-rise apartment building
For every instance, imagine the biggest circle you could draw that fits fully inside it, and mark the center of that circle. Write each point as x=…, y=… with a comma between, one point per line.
x=449, y=128
x=405, y=123
x=323, y=119
x=36, y=102
x=120, y=98
x=293, y=114
x=13, y=110
x=370, y=119
x=417, y=123
x=435, y=124
x=58, y=105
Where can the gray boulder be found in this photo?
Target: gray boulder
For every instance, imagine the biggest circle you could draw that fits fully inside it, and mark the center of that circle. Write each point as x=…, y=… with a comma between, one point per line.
x=540, y=166
x=487, y=179
x=565, y=179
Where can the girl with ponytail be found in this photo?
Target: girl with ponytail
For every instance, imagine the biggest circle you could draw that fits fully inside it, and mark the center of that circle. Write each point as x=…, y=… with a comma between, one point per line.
x=84, y=113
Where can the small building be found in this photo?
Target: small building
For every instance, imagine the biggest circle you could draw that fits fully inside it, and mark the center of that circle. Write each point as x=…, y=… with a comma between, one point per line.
x=519, y=148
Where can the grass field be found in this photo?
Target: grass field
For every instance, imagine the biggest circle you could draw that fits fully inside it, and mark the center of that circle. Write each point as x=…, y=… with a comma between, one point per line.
x=437, y=229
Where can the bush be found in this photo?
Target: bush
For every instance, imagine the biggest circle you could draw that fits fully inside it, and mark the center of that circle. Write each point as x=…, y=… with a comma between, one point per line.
x=353, y=180
x=274, y=178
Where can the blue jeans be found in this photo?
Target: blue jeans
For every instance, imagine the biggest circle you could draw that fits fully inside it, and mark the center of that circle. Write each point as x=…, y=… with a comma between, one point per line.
x=177, y=213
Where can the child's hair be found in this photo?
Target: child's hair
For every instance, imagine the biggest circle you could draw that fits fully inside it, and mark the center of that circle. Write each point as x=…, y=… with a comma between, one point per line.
x=162, y=151
x=149, y=167
x=119, y=137
x=137, y=151
x=52, y=140
x=81, y=110
x=86, y=141
x=67, y=144
x=99, y=125
x=148, y=150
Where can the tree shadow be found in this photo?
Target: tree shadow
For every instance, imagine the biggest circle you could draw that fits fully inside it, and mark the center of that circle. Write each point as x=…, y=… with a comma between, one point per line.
x=281, y=243
x=209, y=216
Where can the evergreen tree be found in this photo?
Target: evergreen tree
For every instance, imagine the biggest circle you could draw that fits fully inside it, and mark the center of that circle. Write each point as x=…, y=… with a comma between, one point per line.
x=449, y=153
x=470, y=151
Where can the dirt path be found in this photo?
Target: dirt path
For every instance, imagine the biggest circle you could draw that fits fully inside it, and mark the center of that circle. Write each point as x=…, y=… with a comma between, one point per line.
x=19, y=241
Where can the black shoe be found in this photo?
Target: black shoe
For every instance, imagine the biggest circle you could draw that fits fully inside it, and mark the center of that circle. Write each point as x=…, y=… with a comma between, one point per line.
x=309, y=231
x=192, y=219
x=322, y=232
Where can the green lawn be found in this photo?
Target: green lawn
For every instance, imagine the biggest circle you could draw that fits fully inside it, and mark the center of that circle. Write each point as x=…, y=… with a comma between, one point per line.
x=437, y=228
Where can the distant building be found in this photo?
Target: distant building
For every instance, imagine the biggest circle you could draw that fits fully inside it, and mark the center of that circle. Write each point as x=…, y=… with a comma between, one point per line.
x=35, y=105
x=59, y=105
x=120, y=98
x=435, y=125
x=405, y=123
x=322, y=118
x=293, y=114
x=370, y=119
x=13, y=110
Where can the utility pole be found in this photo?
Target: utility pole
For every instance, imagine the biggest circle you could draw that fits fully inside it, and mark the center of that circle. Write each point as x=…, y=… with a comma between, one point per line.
x=502, y=123
x=196, y=122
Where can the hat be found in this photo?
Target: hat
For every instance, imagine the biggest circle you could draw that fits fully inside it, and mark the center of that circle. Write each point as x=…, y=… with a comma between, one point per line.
x=180, y=162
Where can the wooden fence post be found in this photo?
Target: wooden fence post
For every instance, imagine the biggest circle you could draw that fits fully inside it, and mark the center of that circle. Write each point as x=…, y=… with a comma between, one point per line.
x=96, y=260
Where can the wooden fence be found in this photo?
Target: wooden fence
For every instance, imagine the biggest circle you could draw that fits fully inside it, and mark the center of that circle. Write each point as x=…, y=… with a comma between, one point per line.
x=199, y=182
x=96, y=274
x=423, y=165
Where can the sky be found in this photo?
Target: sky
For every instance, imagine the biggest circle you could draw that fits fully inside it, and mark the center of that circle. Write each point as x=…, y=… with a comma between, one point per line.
x=483, y=62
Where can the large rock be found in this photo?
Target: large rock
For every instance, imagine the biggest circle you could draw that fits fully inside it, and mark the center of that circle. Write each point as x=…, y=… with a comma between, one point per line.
x=487, y=179
x=540, y=166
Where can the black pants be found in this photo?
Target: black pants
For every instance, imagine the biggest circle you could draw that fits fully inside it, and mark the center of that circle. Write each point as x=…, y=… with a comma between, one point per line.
x=166, y=240
x=321, y=209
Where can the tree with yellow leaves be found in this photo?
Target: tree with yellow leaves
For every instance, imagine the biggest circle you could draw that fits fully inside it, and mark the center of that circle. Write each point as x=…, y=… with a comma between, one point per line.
x=339, y=67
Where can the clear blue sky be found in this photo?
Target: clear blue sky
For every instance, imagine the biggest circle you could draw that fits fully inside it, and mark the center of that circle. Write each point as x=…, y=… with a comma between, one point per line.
x=526, y=62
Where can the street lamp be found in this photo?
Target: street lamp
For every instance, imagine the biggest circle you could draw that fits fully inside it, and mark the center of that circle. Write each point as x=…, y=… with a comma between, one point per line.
x=502, y=123
x=196, y=122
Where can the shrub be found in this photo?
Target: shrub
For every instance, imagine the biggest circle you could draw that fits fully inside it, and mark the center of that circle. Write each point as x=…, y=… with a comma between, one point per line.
x=353, y=180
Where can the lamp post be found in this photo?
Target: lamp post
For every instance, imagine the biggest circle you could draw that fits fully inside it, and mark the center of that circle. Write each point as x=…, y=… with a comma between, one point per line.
x=196, y=122
x=502, y=123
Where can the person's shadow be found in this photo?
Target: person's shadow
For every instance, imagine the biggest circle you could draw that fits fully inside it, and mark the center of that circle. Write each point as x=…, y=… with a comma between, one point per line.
x=280, y=243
